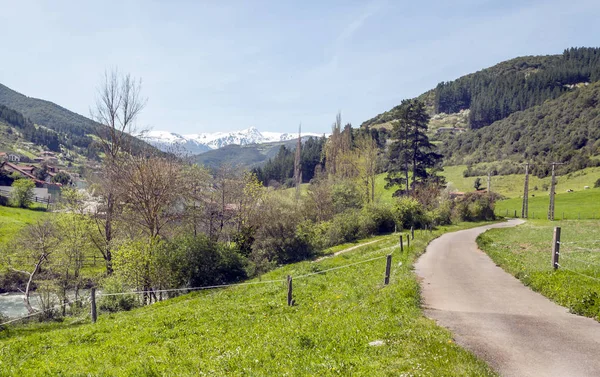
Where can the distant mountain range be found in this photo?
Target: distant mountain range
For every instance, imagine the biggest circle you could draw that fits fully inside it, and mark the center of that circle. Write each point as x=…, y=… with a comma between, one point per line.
x=204, y=142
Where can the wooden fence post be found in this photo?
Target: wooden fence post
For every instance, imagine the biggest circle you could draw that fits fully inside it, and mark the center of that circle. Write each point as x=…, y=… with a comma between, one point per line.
x=290, y=299
x=93, y=304
x=555, y=247
x=412, y=232
x=407, y=242
x=388, y=267
x=515, y=213
x=401, y=245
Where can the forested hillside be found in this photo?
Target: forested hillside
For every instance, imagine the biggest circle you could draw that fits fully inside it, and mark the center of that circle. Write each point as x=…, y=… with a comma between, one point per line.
x=29, y=131
x=50, y=125
x=50, y=115
x=514, y=85
x=566, y=129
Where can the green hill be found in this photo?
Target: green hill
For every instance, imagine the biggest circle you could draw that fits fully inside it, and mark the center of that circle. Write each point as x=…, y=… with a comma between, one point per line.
x=243, y=156
x=566, y=129
x=514, y=85
x=250, y=331
x=49, y=125
x=50, y=115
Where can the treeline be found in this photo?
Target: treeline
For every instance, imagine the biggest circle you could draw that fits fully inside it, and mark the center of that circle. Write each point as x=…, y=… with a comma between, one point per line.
x=564, y=130
x=37, y=135
x=279, y=170
x=494, y=94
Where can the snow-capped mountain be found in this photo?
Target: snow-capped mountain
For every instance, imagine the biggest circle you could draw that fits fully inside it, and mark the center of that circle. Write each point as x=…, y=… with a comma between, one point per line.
x=200, y=143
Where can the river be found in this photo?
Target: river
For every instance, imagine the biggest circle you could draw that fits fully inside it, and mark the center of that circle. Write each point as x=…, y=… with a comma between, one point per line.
x=12, y=305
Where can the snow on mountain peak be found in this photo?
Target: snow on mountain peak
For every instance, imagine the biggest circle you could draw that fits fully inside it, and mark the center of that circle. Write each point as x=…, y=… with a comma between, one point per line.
x=200, y=143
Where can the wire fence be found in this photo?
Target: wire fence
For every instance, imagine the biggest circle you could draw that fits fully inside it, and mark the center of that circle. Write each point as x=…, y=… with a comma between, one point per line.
x=93, y=295
x=575, y=257
x=540, y=215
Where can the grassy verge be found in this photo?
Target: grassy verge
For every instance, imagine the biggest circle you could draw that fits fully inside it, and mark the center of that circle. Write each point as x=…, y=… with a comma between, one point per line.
x=249, y=330
x=525, y=252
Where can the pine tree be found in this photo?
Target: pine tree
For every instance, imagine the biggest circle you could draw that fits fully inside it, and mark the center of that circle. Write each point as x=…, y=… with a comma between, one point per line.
x=411, y=151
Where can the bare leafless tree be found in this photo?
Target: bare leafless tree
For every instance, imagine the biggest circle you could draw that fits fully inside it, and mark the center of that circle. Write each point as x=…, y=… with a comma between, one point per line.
x=118, y=104
x=152, y=189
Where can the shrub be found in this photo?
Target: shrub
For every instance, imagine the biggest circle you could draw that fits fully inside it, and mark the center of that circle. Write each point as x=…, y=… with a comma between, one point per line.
x=314, y=234
x=114, y=284
x=276, y=239
x=382, y=218
x=345, y=196
x=345, y=227
x=597, y=183
x=22, y=193
x=475, y=207
x=408, y=212
x=441, y=215
x=195, y=261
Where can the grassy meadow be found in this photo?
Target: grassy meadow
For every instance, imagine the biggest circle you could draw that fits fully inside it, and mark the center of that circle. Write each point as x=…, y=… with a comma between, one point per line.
x=526, y=251
x=12, y=220
x=250, y=330
x=511, y=186
x=569, y=206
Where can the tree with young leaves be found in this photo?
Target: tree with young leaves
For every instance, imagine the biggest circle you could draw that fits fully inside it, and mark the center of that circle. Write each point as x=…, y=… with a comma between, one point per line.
x=34, y=245
x=74, y=246
x=411, y=154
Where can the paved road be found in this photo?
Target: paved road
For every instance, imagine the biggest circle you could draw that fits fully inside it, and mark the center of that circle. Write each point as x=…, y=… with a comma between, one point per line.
x=516, y=331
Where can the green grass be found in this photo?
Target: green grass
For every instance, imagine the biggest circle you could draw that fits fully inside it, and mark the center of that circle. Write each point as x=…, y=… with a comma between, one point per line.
x=12, y=220
x=574, y=205
x=525, y=252
x=250, y=331
x=511, y=186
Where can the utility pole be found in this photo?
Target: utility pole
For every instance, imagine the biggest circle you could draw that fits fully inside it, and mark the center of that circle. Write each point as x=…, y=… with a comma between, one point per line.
x=489, y=182
x=525, y=207
x=552, y=192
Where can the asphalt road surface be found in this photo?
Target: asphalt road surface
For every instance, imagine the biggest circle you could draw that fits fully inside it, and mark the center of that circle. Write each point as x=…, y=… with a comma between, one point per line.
x=516, y=331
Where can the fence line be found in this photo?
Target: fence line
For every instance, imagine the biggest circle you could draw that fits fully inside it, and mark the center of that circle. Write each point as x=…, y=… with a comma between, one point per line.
x=339, y=267
x=579, y=260
x=557, y=254
x=579, y=242
x=578, y=273
x=593, y=250
x=192, y=288
x=210, y=286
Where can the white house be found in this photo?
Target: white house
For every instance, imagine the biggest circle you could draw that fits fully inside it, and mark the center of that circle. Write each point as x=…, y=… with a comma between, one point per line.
x=14, y=158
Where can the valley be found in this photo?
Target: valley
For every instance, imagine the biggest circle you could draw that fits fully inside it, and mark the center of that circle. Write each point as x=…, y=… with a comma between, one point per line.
x=351, y=252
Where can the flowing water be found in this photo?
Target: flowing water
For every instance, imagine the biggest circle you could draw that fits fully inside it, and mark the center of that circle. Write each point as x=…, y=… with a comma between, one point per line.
x=12, y=305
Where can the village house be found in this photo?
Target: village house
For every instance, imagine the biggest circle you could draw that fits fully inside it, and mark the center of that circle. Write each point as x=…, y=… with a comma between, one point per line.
x=14, y=157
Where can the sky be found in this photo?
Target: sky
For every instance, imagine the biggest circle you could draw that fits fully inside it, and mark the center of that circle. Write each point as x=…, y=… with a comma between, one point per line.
x=210, y=66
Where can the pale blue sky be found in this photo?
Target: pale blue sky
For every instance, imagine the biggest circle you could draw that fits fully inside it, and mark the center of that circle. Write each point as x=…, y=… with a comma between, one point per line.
x=226, y=65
